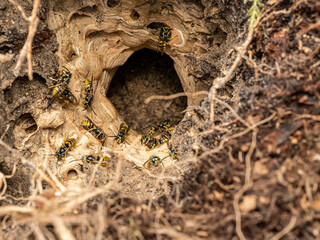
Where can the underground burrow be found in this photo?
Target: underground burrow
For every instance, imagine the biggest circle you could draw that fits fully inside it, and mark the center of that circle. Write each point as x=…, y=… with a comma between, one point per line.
x=144, y=74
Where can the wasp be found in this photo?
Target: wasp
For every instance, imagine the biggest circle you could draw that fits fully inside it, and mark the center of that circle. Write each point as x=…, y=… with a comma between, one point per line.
x=145, y=139
x=96, y=159
x=67, y=96
x=63, y=150
x=164, y=126
x=121, y=136
x=57, y=91
x=151, y=131
x=88, y=94
x=153, y=143
x=63, y=94
x=150, y=141
x=60, y=89
x=87, y=102
x=172, y=152
x=88, y=125
x=153, y=161
x=65, y=78
x=164, y=38
x=165, y=136
x=88, y=85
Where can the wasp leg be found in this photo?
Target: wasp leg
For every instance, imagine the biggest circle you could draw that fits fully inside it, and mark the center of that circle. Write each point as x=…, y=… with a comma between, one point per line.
x=92, y=110
x=90, y=129
x=59, y=84
x=53, y=79
x=146, y=162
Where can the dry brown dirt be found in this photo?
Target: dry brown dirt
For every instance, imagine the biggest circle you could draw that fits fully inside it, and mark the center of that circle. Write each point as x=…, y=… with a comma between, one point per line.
x=249, y=163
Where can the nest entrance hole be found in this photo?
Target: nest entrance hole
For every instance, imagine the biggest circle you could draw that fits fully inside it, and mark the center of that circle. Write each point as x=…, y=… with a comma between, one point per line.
x=144, y=74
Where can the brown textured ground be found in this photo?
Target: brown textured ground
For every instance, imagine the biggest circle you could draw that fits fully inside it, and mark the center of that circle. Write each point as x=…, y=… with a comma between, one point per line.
x=262, y=183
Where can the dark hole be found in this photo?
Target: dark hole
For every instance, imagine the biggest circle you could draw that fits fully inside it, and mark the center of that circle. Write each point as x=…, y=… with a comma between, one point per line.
x=8, y=95
x=261, y=224
x=72, y=174
x=134, y=15
x=146, y=73
x=26, y=122
x=6, y=49
x=89, y=9
x=112, y=3
x=220, y=36
x=31, y=129
x=39, y=78
x=156, y=25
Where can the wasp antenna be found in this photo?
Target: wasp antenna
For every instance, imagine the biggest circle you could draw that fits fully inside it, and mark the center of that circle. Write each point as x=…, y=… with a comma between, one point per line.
x=53, y=79
x=49, y=154
x=50, y=100
x=111, y=136
x=145, y=163
x=66, y=68
x=165, y=158
x=93, y=111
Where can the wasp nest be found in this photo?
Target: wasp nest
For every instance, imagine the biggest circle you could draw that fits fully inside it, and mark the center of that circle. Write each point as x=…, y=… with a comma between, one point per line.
x=95, y=39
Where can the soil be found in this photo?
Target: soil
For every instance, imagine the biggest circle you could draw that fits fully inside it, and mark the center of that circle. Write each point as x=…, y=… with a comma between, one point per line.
x=248, y=157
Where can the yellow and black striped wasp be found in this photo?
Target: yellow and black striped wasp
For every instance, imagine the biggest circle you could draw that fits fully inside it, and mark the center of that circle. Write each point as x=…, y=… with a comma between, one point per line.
x=66, y=76
x=63, y=94
x=148, y=140
x=66, y=94
x=152, y=143
x=121, y=136
x=164, y=126
x=166, y=135
x=153, y=161
x=152, y=131
x=164, y=38
x=60, y=89
x=103, y=161
x=88, y=95
x=172, y=152
x=145, y=139
x=88, y=125
x=62, y=79
x=61, y=153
